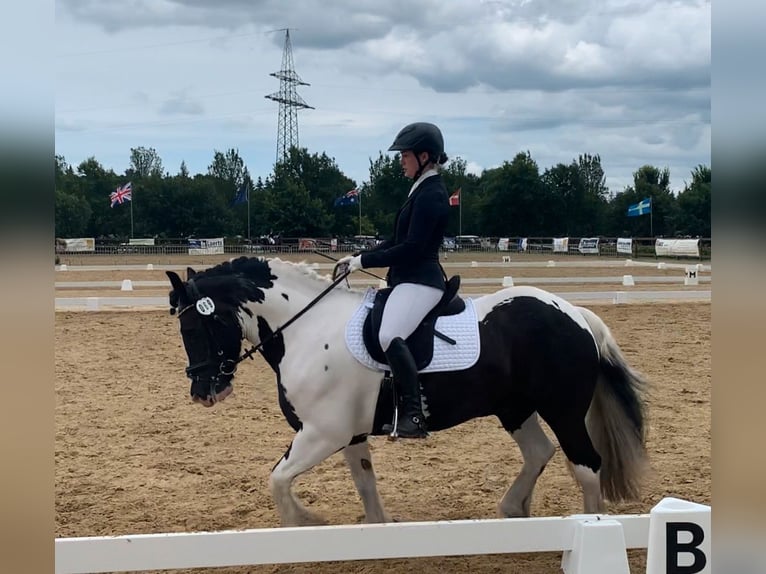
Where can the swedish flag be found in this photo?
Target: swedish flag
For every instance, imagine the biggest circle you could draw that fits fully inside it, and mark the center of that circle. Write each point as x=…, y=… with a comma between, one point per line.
x=641, y=208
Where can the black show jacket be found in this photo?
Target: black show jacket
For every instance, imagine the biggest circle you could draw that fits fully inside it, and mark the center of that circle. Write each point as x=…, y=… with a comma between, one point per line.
x=412, y=255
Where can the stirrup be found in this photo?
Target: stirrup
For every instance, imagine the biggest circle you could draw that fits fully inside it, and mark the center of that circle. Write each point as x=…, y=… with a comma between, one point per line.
x=393, y=429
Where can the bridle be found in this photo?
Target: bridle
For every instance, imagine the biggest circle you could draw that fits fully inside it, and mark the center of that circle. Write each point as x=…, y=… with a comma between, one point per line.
x=227, y=367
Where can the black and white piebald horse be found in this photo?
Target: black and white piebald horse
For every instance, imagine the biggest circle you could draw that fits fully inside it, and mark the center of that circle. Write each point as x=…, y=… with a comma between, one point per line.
x=515, y=354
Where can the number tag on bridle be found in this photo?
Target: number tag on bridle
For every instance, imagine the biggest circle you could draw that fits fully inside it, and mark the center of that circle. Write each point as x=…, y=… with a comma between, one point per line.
x=205, y=306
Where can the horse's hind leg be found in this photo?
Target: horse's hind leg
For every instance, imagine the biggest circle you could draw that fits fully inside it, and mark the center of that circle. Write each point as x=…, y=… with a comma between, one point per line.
x=306, y=451
x=536, y=449
x=582, y=458
x=359, y=462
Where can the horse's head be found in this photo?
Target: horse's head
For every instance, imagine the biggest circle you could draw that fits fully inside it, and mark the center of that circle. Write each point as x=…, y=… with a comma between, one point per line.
x=211, y=333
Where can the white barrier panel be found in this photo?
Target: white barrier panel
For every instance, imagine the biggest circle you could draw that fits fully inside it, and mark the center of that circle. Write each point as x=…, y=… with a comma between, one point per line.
x=206, y=246
x=599, y=546
x=588, y=245
x=677, y=247
x=561, y=244
x=347, y=542
x=78, y=244
x=625, y=245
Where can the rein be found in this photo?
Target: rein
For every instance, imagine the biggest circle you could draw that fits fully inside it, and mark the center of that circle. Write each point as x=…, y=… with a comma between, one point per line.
x=229, y=366
x=255, y=348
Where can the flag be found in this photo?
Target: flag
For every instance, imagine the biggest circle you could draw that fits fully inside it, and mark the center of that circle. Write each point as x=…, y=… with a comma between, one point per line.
x=641, y=208
x=454, y=199
x=349, y=198
x=242, y=195
x=121, y=194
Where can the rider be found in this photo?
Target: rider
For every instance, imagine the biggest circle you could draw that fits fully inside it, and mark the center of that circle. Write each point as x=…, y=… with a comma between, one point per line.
x=412, y=256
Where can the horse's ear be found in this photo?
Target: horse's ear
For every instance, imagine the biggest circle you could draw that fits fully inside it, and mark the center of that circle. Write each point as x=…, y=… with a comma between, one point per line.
x=175, y=280
x=190, y=273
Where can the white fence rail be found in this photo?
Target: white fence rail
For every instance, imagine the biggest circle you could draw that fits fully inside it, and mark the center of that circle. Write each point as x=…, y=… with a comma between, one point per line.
x=676, y=534
x=330, y=543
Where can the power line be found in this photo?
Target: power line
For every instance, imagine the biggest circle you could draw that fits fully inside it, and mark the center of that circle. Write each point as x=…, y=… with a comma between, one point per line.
x=289, y=101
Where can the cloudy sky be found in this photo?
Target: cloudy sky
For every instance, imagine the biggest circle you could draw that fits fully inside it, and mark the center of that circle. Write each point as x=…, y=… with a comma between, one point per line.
x=626, y=79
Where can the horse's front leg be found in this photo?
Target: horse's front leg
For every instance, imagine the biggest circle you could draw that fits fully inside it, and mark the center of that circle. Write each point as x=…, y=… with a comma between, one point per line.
x=307, y=450
x=359, y=461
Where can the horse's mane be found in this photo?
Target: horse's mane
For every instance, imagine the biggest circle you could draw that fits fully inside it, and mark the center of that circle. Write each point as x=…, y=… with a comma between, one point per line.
x=259, y=268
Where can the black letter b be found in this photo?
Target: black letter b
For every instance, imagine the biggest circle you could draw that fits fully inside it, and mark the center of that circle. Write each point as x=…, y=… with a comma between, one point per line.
x=674, y=548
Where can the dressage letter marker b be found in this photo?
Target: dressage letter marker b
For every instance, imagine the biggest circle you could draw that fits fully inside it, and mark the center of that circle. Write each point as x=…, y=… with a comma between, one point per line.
x=674, y=548
x=679, y=538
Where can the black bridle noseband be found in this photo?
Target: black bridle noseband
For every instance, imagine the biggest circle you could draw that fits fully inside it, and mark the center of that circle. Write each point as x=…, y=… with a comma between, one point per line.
x=227, y=367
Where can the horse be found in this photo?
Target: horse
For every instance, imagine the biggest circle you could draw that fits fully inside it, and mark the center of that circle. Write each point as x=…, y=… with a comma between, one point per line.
x=538, y=357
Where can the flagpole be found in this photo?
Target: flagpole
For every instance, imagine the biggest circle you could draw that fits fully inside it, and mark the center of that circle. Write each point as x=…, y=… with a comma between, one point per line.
x=359, y=195
x=651, y=217
x=460, y=211
x=131, y=215
x=247, y=190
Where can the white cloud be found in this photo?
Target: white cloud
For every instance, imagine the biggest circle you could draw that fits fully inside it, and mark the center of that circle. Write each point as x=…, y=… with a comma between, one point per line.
x=623, y=78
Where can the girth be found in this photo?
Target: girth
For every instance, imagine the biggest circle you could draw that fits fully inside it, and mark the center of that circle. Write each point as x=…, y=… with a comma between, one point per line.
x=421, y=342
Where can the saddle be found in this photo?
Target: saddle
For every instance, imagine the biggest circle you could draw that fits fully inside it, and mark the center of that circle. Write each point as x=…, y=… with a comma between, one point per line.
x=421, y=342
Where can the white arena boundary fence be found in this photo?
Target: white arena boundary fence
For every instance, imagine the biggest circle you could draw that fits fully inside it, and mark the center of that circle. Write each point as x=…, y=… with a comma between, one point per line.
x=676, y=534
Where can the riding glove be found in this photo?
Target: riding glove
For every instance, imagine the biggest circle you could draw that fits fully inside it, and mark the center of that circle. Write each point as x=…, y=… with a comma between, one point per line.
x=351, y=262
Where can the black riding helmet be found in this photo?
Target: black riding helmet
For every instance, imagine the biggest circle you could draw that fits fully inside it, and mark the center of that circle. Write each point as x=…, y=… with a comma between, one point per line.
x=421, y=137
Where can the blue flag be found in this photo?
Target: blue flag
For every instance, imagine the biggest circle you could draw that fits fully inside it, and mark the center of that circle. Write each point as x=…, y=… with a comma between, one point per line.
x=242, y=195
x=641, y=208
x=349, y=198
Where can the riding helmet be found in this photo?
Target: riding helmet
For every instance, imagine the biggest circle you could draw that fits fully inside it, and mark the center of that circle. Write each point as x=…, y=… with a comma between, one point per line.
x=420, y=137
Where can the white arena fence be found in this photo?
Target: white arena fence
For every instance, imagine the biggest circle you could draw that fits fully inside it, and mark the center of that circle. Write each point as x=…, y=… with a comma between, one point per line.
x=599, y=246
x=676, y=534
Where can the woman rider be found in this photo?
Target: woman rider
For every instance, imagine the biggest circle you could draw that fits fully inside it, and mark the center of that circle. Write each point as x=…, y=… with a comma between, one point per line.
x=412, y=257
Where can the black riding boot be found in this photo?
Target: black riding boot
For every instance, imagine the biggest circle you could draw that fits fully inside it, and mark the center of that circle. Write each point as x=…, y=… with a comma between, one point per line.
x=411, y=423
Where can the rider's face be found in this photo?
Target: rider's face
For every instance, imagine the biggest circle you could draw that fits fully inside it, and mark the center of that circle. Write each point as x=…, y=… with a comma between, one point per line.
x=409, y=164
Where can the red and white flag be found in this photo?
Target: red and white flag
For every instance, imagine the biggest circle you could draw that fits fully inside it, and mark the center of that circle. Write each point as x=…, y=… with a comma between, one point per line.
x=121, y=194
x=454, y=199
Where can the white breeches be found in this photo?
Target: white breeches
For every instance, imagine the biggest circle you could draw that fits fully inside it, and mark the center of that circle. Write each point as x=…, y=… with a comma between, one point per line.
x=406, y=307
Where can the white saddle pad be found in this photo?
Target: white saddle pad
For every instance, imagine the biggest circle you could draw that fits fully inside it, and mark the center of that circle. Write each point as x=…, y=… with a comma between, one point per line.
x=463, y=328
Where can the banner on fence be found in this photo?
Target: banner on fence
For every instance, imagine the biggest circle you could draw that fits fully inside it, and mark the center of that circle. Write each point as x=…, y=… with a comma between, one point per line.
x=561, y=244
x=206, y=246
x=306, y=244
x=677, y=247
x=82, y=244
x=504, y=244
x=141, y=241
x=522, y=244
x=625, y=245
x=588, y=245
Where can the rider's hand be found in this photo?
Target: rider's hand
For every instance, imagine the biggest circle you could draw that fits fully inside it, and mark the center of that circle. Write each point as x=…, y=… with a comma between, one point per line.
x=351, y=263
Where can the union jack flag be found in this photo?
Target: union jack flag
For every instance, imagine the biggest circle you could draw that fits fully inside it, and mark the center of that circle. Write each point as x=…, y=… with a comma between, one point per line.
x=121, y=194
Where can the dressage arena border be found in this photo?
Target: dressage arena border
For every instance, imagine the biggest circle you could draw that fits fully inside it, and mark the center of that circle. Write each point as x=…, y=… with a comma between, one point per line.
x=614, y=297
x=590, y=543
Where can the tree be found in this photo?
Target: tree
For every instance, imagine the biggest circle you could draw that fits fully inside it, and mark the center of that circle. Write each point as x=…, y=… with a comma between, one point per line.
x=456, y=176
x=385, y=192
x=144, y=163
x=694, y=204
x=515, y=202
x=648, y=182
x=228, y=167
x=72, y=214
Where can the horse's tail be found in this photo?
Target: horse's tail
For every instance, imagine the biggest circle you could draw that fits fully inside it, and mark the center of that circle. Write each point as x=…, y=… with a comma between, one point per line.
x=616, y=418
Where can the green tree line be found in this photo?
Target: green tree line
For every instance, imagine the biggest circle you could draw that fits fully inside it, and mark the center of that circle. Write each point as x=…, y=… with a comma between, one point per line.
x=297, y=199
